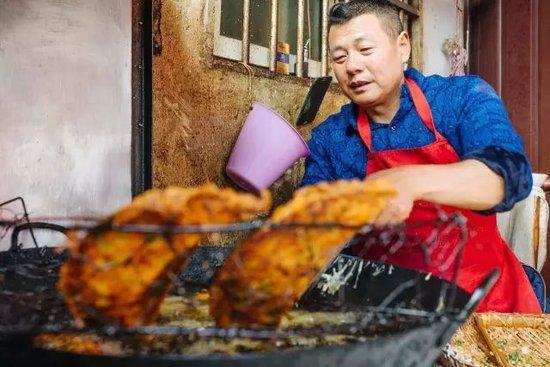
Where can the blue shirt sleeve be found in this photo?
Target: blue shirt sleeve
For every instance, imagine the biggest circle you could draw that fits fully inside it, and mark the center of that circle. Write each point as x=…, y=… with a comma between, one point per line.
x=317, y=163
x=487, y=135
x=514, y=169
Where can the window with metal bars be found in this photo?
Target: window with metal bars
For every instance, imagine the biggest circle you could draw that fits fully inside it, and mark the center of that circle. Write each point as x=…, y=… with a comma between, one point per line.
x=248, y=31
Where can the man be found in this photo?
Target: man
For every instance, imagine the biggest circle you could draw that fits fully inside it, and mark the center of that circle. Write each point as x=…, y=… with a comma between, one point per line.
x=445, y=144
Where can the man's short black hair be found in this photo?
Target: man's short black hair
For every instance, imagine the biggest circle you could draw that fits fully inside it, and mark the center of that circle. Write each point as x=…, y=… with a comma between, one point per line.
x=386, y=12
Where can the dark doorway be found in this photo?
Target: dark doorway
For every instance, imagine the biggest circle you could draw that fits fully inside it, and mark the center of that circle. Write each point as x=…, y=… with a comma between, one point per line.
x=544, y=98
x=510, y=48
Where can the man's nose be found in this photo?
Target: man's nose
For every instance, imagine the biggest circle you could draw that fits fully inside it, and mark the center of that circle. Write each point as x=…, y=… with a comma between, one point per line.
x=354, y=64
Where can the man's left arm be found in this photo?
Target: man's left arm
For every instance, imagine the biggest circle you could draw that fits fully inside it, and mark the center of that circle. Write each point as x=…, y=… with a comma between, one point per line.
x=493, y=173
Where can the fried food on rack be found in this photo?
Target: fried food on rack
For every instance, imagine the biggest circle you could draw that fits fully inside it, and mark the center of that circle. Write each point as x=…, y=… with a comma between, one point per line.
x=262, y=278
x=69, y=343
x=121, y=278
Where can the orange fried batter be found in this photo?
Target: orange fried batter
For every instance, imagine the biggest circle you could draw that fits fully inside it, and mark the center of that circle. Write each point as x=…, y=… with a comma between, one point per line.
x=263, y=277
x=69, y=343
x=122, y=278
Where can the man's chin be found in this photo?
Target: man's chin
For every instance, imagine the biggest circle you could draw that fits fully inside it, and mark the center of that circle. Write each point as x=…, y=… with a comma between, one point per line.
x=364, y=100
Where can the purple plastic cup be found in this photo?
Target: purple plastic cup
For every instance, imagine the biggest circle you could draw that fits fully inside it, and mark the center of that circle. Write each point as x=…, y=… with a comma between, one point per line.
x=266, y=147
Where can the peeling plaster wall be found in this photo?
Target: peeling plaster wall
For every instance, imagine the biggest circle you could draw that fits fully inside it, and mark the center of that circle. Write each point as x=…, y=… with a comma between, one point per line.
x=200, y=101
x=65, y=105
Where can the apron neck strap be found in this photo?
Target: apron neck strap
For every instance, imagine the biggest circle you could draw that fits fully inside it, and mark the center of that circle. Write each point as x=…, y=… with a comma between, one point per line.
x=422, y=108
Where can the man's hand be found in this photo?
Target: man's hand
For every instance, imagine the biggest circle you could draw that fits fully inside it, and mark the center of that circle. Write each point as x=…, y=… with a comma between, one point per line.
x=468, y=184
x=405, y=181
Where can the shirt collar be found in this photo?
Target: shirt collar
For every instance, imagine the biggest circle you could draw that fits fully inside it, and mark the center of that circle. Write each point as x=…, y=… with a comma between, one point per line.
x=406, y=103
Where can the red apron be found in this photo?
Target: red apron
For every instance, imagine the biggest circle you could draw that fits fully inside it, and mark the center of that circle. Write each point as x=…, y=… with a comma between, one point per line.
x=484, y=250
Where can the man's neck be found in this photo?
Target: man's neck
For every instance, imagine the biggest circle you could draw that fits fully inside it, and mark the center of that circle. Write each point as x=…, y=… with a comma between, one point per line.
x=385, y=112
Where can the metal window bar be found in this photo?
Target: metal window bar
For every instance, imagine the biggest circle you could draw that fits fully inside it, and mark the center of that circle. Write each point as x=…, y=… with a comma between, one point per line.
x=274, y=31
x=324, y=39
x=245, y=55
x=300, y=40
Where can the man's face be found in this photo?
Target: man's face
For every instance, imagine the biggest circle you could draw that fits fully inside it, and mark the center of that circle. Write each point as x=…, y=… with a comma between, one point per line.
x=367, y=62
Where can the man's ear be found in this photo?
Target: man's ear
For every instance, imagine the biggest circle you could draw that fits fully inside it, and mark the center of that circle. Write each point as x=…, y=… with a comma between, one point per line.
x=404, y=46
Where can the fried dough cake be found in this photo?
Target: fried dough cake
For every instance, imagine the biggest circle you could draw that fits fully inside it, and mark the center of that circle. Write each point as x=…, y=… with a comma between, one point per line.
x=263, y=277
x=121, y=278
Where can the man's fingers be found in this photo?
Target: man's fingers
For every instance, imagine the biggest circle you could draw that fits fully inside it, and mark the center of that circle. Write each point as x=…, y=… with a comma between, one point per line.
x=393, y=213
x=385, y=216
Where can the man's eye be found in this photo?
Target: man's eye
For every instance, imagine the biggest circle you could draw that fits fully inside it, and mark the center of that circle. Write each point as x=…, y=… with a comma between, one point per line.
x=366, y=50
x=340, y=58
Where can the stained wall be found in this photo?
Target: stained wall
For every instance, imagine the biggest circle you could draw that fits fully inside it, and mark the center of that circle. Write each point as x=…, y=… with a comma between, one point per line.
x=201, y=101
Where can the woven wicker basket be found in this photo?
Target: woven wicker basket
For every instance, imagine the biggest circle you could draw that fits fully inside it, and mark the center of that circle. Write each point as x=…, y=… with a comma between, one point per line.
x=507, y=340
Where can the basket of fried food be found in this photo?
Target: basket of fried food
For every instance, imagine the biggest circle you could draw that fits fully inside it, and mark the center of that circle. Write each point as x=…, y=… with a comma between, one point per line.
x=122, y=278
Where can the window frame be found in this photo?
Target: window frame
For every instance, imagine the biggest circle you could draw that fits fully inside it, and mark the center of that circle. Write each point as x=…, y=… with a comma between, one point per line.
x=231, y=49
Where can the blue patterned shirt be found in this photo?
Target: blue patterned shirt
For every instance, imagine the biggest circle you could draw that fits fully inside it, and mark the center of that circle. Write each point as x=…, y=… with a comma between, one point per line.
x=466, y=110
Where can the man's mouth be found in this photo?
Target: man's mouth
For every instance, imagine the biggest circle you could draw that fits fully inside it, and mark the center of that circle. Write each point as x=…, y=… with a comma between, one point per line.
x=358, y=84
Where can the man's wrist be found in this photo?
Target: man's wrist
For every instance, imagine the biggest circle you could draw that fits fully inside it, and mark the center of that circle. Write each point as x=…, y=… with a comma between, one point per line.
x=426, y=182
